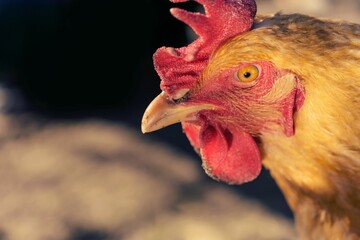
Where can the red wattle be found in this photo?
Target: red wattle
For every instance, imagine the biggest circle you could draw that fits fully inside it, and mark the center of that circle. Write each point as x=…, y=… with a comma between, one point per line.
x=228, y=155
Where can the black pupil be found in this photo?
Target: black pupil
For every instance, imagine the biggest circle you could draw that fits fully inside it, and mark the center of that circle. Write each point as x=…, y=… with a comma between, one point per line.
x=247, y=74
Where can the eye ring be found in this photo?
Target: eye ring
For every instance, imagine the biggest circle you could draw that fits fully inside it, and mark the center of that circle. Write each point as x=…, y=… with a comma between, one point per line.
x=247, y=74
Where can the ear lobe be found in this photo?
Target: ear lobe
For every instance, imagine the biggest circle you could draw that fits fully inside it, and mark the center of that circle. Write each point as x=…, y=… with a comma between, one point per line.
x=281, y=88
x=292, y=102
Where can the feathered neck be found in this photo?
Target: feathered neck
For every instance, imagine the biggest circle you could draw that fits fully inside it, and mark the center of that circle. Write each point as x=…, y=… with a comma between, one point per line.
x=318, y=169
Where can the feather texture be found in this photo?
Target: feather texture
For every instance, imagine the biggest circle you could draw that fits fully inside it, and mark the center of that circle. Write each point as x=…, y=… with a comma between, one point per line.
x=318, y=168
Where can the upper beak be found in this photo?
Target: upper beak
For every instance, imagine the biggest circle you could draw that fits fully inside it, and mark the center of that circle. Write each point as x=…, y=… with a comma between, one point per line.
x=163, y=112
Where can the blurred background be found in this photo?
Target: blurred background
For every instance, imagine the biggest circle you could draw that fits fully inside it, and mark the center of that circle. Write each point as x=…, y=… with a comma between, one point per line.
x=75, y=79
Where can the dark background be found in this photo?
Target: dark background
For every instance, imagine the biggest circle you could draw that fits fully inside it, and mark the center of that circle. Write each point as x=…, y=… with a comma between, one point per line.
x=84, y=56
x=80, y=59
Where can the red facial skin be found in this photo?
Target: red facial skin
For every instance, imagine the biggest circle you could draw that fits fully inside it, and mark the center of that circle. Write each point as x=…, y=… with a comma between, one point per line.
x=238, y=102
x=224, y=136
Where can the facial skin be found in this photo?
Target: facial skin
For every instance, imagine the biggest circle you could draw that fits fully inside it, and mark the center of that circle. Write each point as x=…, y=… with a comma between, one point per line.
x=223, y=112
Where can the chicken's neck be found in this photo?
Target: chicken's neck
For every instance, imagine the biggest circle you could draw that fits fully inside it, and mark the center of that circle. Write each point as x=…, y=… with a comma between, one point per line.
x=318, y=171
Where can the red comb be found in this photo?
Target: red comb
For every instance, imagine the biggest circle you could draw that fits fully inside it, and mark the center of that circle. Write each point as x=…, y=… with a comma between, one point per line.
x=181, y=67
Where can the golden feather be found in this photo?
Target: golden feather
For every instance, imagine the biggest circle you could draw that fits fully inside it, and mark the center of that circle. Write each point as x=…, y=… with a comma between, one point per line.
x=318, y=168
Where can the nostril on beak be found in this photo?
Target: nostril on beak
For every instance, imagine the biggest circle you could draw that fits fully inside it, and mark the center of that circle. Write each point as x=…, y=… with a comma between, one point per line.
x=181, y=95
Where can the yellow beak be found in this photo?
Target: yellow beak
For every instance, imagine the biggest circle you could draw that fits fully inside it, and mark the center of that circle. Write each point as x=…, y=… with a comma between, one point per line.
x=163, y=112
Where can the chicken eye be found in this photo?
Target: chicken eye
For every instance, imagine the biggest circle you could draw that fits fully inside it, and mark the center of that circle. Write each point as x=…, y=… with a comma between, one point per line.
x=247, y=74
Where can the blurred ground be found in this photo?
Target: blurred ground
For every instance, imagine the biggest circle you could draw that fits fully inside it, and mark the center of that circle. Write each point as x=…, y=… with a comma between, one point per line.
x=97, y=179
x=73, y=163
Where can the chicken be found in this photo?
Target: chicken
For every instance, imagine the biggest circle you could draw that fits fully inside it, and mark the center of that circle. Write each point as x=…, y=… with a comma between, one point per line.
x=279, y=91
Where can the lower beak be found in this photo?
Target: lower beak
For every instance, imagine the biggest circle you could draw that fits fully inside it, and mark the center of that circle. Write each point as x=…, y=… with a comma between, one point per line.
x=163, y=112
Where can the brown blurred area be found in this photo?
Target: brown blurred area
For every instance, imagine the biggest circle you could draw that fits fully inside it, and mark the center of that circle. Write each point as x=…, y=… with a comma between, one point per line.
x=95, y=179
x=73, y=162
x=337, y=9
